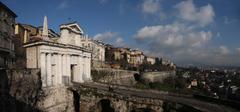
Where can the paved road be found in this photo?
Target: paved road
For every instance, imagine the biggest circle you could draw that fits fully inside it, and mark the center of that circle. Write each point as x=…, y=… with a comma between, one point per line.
x=127, y=91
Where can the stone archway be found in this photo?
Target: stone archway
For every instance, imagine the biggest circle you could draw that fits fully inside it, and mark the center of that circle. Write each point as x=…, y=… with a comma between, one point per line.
x=105, y=105
x=137, y=76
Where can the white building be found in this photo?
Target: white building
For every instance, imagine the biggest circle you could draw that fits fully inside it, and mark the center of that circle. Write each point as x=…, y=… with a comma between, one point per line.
x=61, y=61
x=151, y=60
x=97, y=48
x=77, y=37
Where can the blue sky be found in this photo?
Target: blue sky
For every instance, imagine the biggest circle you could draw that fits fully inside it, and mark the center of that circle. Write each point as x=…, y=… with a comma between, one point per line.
x=185, y=31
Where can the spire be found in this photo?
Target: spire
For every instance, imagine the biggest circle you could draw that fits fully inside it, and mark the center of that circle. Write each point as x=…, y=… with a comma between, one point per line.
x=45, y=27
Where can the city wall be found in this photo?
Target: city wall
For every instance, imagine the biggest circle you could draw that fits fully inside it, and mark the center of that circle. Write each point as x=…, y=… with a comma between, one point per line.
x=113, y=76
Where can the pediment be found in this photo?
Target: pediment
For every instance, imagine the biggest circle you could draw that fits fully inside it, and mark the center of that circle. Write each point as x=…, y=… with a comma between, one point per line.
x=75, y=27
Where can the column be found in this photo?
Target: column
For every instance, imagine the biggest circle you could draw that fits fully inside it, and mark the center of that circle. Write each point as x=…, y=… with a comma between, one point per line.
x=88, y=68
x=68, y=69
x=80, y=69
x=59, y=69
x=43, y=69
x=49, y=69
x=64, y=65
x=83, y=69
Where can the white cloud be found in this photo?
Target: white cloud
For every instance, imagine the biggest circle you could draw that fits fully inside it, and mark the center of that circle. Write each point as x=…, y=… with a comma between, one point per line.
x=182, y=43
x=173, y=35
x=150, y=6
x=63, y=5
x=119, y=42
x=105, y=36
x=109, y=37
x=189, y=12
x=238, y=51
x=223, y=50
x=183, y=40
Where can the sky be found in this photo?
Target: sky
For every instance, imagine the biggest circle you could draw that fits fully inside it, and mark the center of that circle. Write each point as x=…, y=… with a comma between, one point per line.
x=198, y=32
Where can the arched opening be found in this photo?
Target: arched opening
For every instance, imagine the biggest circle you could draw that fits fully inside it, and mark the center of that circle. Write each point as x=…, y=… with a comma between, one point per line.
x=105, y=106
x=136, y=76
x=143, y=110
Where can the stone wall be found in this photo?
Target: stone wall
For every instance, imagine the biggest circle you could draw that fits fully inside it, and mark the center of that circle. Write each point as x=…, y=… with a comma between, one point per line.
x=56, y=99
x=91, y=102
x=157, y=76
x=114, y=76
x=21, y=90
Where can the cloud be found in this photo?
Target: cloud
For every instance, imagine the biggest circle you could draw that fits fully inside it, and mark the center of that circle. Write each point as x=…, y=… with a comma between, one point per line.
x=182, y=43
x=188, y=11
x=218, y=34
x=64, y=4
x=238, y=51
x=105, y=36
x=150, y=6
x=223, y=50
x=119, y=42
x=103, y=1
x=173, y=35
x=185, y=38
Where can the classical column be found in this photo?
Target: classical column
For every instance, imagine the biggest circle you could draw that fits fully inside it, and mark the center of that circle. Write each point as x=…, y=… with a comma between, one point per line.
x=49, y=69
x=88, y=59
x=64, y=63
x=59, y=69
x=80, y=68
x=64, y=72
x=43, y=69
x=83, y=69
x=68, y=67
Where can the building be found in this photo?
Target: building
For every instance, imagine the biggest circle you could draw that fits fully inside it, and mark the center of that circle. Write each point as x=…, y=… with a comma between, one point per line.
x=52, y=34
x=23, y=34
x=7, y=24
x=77, y=37
x=32, y=29
x=194, y=83
x=21, y=37
x=136, y=58
x=150, y=60
x=61, y=61
x=117, y=53
x=97, y=48
x=165, y=61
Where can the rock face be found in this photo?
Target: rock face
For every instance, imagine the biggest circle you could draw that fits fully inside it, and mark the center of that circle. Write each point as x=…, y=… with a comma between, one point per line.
x=20, y=91
x=15, y=94
x=57, y=99
x=25, y=85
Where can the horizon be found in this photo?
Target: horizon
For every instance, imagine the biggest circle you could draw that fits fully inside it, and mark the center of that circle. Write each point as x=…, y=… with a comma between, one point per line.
x=187, y=32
